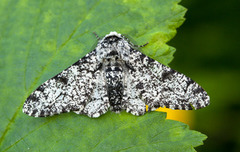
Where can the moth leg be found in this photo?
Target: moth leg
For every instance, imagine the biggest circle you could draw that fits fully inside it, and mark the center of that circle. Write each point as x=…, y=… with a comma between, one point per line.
x=136, y=107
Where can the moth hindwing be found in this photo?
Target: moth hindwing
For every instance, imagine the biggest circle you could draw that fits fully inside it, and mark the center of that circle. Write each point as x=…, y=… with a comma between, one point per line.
x=118, y=77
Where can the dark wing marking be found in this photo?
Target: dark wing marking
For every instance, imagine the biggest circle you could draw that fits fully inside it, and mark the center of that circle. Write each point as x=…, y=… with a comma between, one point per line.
x=69, y=90
x=158, y=85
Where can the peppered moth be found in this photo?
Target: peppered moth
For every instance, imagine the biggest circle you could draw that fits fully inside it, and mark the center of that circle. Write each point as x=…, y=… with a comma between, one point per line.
x=118, y=77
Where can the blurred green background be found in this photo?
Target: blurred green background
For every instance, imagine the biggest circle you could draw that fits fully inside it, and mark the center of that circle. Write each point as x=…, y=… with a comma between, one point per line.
x=208, y=51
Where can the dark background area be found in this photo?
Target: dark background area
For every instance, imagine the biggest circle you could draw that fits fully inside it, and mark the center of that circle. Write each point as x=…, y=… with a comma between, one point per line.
x=208, y=51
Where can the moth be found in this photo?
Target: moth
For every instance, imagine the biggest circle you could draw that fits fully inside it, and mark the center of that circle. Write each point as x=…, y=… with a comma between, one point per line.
x=115, y=76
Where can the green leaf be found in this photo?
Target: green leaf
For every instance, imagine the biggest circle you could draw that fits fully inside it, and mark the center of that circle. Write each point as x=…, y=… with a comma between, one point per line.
x=111, y=132
x=40, y=38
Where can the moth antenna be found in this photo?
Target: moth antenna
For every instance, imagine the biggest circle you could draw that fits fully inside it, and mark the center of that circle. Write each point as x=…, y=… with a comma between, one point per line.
x=98, y=38
x=134, y=45
x=140, y=45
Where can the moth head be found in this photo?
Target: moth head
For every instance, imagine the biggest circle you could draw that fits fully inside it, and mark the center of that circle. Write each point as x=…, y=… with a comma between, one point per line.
x=113, y=46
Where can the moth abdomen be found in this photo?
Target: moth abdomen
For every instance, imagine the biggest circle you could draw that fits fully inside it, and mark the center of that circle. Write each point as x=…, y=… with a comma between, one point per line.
x=114, y=77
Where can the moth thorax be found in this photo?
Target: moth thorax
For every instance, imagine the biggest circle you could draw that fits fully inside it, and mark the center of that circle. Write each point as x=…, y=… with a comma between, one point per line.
x=111, y=39
x=112, y=58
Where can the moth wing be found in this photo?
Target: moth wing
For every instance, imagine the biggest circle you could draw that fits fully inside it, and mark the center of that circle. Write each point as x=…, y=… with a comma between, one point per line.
x=160, y=86
x=69, y=90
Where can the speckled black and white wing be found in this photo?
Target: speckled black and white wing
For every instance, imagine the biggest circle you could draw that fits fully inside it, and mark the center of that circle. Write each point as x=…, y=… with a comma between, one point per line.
x=115, y=76
x=79, y=88
x=160, y=86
